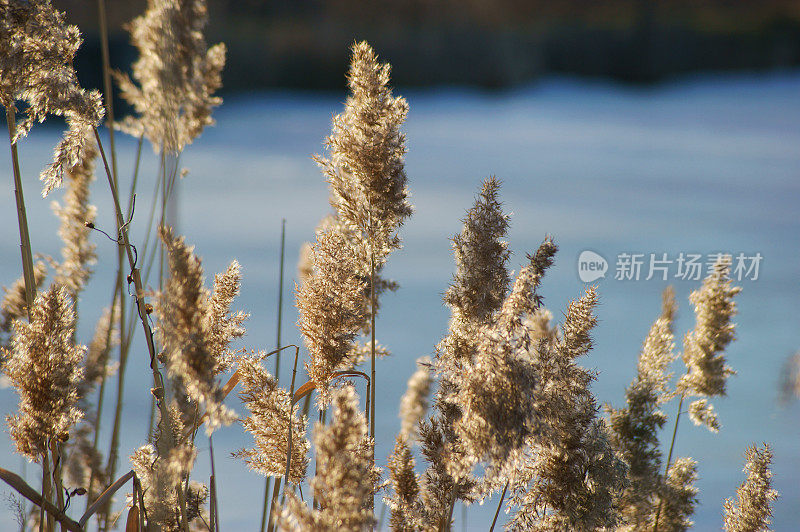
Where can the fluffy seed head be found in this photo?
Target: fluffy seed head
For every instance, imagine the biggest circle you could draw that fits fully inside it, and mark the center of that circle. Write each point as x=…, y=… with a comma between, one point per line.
x=345, y=480
x=44, y=366
x=268, y=422
x=414, y=403
x=754, y=511
x=331, y=309
x=704, y=346
x=36, y=67
x=195, y=328
x=175, y=75
x=366, y=150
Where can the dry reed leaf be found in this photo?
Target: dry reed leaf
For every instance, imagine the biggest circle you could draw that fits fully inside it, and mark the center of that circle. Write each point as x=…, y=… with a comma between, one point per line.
x=132, y=524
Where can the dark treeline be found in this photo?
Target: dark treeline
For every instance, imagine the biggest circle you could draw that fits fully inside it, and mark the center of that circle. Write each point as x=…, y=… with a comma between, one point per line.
x=485, y=43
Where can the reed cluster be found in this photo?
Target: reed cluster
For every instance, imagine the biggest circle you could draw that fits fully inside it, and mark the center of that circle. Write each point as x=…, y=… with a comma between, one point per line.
x=503, y=406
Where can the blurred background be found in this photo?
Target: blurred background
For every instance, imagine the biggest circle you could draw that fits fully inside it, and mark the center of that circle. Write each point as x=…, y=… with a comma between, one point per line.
x=643, y=127
x=484, y=43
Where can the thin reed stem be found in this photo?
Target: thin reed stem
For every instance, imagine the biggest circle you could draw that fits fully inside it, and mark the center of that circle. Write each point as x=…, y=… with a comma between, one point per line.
x=22, y=217
x=213, y=482
x=372, y=351
x=158, y=380
x=273, y=504
x=45, y=491
x=266, y=509
x=289, y=436
x=280, y=299
x=499, y=505
x=182, y=506
x=108, y=95
x=445, y=524
x=669, y=461
x=55, y=448
x=265, y=506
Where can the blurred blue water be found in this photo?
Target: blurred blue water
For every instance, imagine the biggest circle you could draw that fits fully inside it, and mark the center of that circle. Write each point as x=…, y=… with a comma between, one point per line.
x=706, y=165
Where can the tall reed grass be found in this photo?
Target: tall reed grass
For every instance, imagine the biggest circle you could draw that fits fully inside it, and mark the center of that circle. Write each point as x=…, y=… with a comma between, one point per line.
x=504, y=406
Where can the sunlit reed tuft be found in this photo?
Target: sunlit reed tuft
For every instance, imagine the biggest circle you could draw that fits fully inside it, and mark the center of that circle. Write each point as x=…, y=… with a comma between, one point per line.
x=36, y=67
x=195, y=328
x=570, y=476
x=176, y=74
x=78, y=253
x=13, y=306
x=44, y=366
x=414, y=403
x=704, y=346
x=331, y=310
x=344, y=481
x=755, y=496
x=268, y=423
x=633, y=430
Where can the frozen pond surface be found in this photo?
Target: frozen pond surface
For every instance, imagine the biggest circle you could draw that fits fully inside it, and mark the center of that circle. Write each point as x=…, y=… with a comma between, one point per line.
x=703, y=166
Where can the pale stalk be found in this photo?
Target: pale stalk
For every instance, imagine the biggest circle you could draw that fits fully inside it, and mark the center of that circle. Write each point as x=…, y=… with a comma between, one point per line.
x=265, y=505
x=55, y=448
x=108, y=96
x=372, y=351
x=669, y=461
x=158, y=380
x=268, y=480
x=445, y=524
x=499, y=505
x=45, y=491
x=273, y=504
x=289, y=438
x=108, y=100
x=182, y=506
x=213, y=482
x=22, y=217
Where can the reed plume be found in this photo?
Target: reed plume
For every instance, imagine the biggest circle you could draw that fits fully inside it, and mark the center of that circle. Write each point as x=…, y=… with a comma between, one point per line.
x=679, y=496
x=36, y=67
x=366, y=150
x=162, y=469
x=175, y=76
x=44, y=366
x=331, y=311
x=365, y=170
x=569, y=476
x=755, y=496
x=633, y=430
x=414, y=403
x=497, y=389
x=407, y=512
x=14, y=306
x=345, y=481
x=704, y=346
x=269, y=421
x=481, y=280
x=78, y=253
x=195, y=328
x=473, y=303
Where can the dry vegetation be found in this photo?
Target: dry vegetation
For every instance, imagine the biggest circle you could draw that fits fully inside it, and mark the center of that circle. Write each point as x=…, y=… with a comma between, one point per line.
x=511, y=410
